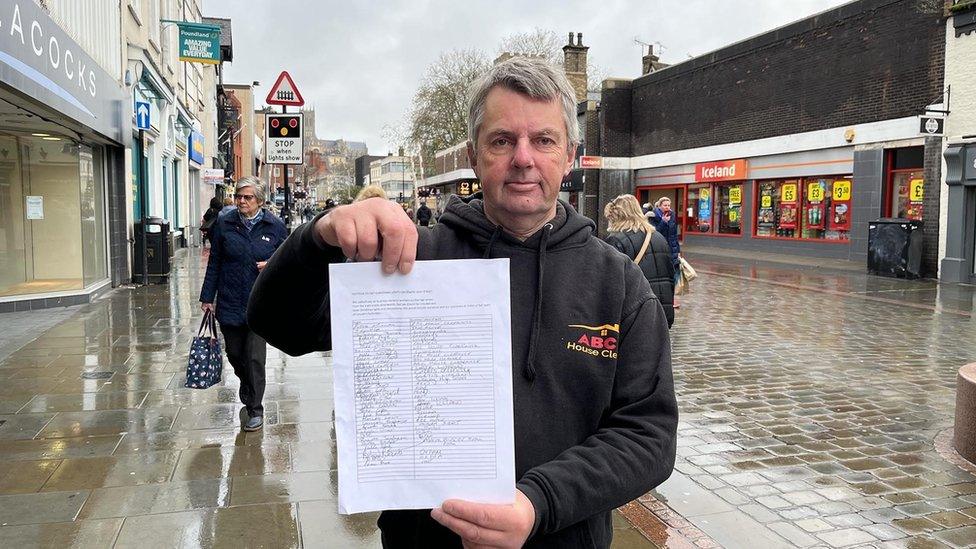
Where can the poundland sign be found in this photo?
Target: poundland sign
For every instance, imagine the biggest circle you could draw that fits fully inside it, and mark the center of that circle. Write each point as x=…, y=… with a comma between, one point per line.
x=38, y=59
x=728, y=170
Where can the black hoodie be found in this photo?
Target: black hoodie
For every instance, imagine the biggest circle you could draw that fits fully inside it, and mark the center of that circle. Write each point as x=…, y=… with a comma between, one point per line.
x=595, y=411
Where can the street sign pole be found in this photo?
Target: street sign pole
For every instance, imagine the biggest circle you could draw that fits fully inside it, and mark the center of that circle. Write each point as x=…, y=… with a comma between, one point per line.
x=286, y=209
x=144, y=205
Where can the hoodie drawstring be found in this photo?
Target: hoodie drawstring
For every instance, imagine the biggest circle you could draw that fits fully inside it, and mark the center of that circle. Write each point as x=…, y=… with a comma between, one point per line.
x=529, y=370
x=491, y=242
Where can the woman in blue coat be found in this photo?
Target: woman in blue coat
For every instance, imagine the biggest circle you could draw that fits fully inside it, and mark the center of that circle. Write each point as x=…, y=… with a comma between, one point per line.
x=242, y=241
x=664, y=221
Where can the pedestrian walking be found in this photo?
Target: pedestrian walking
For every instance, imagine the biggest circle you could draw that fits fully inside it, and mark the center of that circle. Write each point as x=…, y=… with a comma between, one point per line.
x=241, y=244
x=663, y=219
x=229, y=205
x=635, y=237
x=209, y=218
x=424, y=214
x=371, y=191
x=594, y=420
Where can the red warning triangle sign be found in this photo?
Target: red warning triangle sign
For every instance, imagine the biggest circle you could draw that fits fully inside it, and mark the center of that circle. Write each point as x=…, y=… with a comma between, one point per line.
x=285, y=92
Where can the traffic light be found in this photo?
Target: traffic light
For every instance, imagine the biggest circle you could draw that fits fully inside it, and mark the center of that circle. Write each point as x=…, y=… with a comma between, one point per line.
x=284, y=126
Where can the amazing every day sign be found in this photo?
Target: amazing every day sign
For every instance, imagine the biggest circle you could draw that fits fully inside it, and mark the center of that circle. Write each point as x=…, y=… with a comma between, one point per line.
x=199, y=43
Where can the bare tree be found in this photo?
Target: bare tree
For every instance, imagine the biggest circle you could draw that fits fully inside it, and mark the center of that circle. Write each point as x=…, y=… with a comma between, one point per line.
x=548, y=45
x=538, y=42
x=438, y=118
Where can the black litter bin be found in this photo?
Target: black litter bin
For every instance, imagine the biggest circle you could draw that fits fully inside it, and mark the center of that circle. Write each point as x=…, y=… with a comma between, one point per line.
x=158, y=247
x=895, y=247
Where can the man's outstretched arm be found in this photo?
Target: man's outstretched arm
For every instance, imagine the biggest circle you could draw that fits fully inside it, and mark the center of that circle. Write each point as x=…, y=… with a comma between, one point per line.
x=289, y=305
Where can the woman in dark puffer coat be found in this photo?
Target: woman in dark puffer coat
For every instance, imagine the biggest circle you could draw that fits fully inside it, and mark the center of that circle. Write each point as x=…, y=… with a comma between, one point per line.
x=628, y=229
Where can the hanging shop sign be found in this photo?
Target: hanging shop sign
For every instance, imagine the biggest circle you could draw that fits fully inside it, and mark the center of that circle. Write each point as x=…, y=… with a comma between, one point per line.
x=728, y=170
x=213, y=176
x=199, y=42
x=41, y=62
x=195, y=146
x=931, y=125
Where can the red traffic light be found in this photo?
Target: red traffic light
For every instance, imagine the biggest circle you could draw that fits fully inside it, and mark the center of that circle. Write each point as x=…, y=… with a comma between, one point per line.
x=293, y=123
x=275, y=122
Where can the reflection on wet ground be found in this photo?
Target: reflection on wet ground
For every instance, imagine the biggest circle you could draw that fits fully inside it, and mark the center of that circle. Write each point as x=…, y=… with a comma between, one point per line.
x=102, y=446
x=811, y=402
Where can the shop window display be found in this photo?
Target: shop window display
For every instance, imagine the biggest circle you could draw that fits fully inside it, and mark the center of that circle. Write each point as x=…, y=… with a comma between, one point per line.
x=809, y=209
x=907, y=193
x=699, y=218
x=52, y=232
x=729, y=211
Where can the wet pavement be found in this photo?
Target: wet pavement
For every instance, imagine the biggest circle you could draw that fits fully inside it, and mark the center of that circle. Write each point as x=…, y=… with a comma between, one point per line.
x=816, y=405
x=102, y=446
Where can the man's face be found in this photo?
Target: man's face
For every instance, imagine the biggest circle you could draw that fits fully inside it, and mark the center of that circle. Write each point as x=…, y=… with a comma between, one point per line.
x=521, y=157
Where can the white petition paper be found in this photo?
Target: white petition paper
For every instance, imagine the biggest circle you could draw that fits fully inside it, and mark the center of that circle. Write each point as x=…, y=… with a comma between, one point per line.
x=423, y=384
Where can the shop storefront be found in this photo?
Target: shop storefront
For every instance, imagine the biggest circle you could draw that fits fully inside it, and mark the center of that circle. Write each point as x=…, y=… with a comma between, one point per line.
x=806, y=203
x=61, y=166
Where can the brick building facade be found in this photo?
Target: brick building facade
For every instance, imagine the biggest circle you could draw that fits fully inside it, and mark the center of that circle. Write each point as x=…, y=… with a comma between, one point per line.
x=817, y=113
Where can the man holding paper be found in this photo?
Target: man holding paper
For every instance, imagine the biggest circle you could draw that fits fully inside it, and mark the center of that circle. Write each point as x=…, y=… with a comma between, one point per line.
x=595, y=413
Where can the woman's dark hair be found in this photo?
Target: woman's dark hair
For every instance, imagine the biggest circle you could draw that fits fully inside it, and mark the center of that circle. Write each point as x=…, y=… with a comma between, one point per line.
x=216, y=204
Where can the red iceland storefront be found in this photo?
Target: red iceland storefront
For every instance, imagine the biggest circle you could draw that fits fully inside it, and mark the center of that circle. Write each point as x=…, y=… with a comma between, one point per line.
x=806, y=203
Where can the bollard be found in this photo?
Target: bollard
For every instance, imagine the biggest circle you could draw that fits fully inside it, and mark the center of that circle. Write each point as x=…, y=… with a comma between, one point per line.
x=964, y=430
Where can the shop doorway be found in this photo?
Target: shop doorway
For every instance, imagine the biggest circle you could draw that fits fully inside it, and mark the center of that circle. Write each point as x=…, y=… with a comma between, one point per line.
x=676, y=193
x=904, y=188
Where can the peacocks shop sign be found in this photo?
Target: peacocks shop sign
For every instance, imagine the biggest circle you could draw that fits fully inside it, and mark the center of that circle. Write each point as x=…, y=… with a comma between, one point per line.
x=39, y=60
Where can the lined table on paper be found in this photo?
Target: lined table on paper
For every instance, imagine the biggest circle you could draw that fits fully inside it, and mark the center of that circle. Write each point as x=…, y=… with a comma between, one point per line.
x=423, y=384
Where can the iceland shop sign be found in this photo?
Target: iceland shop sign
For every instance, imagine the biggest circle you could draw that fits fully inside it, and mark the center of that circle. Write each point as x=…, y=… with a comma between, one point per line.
x=41, y=61
x=729, y=170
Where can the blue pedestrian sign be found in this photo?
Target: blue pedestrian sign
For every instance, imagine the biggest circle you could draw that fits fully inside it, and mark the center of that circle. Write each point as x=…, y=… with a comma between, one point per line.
x=142, y=115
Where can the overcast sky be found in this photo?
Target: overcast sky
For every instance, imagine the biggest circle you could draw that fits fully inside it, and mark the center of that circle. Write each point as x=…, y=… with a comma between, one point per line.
x=359, y=63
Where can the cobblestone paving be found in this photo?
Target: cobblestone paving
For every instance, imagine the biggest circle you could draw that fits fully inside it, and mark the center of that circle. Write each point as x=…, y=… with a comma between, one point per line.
x=817, y=414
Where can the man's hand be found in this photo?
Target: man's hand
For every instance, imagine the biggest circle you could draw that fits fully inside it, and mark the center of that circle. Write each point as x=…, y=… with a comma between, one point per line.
x=369, y=228
x=486, y=525
x=261, y=265
x=207, y=307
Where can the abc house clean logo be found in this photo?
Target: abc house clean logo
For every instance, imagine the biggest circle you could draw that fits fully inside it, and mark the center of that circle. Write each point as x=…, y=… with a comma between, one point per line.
x=598, y=341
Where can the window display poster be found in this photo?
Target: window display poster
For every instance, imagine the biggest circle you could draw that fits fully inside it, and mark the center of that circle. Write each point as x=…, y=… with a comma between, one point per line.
x=735, y=195
x=840, y=219
x=767, y=216
x=704, y=205
x=842, y=190
x=35, y=207
x=916, y=190
x=788, y=192
x=787, y=215
x=816, y=191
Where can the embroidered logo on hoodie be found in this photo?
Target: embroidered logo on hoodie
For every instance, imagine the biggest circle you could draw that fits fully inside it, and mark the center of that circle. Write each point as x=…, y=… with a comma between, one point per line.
x=595, y=340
